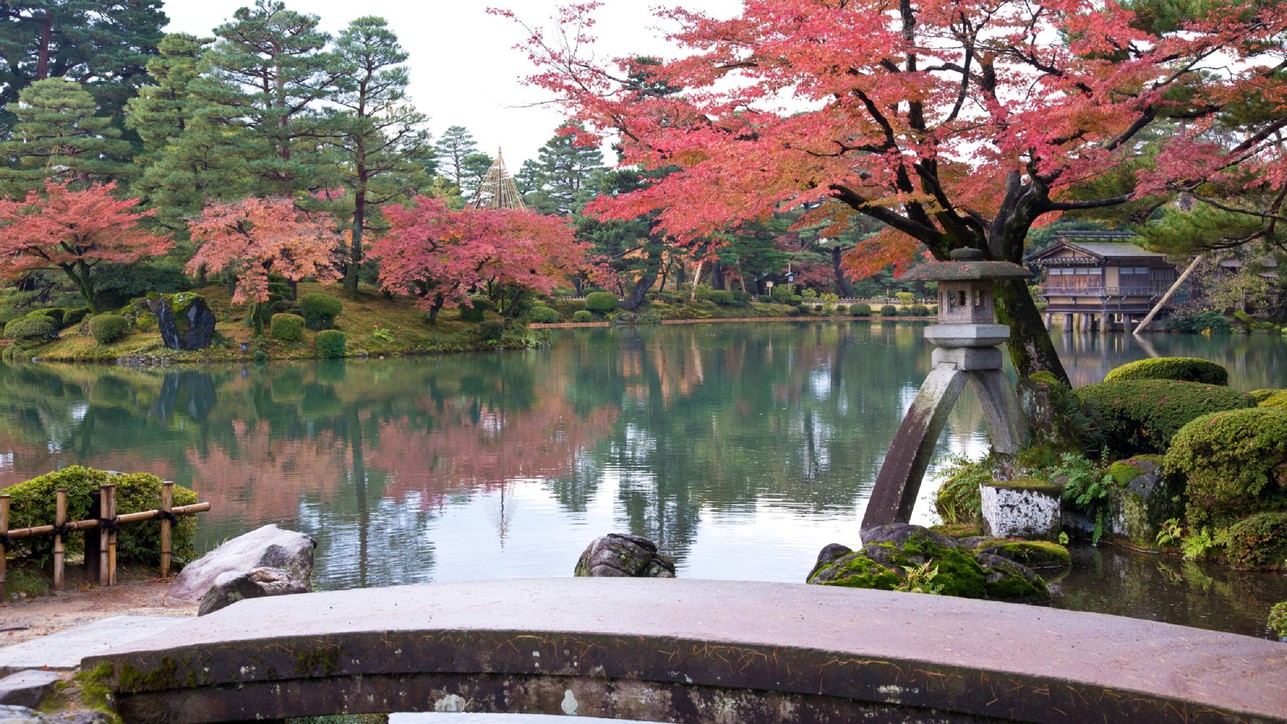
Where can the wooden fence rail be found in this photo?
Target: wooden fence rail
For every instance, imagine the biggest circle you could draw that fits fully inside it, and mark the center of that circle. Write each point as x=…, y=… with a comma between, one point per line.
x=107, y=524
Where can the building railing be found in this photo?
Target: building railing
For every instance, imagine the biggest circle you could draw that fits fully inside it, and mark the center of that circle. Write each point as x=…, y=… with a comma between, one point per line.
x=1135, y=290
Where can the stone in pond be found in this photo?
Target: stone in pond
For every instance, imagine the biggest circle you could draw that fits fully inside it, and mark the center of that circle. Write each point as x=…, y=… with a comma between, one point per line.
x=617, y=555
x=184, y=320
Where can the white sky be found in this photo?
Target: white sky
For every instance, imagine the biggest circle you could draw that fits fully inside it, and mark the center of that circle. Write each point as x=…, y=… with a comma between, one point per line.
x=465, y=70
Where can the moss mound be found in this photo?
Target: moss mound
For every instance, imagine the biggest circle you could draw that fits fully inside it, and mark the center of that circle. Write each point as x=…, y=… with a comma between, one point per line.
x=1141, y=416
x=1188, y=369
x=1031, y=553
x=1234, y=462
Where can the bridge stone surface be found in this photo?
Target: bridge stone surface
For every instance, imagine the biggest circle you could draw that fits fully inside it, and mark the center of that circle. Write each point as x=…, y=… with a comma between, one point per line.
x=688, y=651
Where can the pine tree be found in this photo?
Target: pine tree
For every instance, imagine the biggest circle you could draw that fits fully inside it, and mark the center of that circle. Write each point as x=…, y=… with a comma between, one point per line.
x=564, y=172
x=454, y=146
x=57, y=136
x=379, y=132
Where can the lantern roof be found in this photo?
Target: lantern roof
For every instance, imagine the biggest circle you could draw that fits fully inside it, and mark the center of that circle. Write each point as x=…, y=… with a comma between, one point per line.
x=966, y=265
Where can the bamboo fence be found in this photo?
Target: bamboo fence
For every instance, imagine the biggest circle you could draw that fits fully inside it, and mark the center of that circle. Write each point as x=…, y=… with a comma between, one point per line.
x=107, y=523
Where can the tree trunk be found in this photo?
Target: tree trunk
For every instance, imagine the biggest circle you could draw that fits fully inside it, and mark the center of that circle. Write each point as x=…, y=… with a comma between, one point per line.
x=717, y=277
x=1031, y=349
x=46, y=36
x=645, y=281
x=78, y=272
x=435, y=308
x=355, y=243
x=843, y=287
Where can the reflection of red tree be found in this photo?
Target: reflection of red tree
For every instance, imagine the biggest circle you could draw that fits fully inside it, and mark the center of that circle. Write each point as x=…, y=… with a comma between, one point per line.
x=29, y=461
x=267, y=478
x=471, y=450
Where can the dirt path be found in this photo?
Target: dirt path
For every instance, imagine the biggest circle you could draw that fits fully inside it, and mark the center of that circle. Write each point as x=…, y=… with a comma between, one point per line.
x=28, y=618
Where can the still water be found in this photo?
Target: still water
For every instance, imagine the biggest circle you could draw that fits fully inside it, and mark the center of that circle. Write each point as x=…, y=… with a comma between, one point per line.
x=742, y=449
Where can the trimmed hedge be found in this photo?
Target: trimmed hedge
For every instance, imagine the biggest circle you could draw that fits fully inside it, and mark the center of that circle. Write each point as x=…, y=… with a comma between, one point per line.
x=107, y=328
x=331, y=343
x=860, y=309
x=1277, y=400
x=320, y=310
x=1189, y=369
x=601, y=302
x=1141, y=416
x=287, y=327
x=33, y=504
x=1234, y=462
x=888, y=310
x=31, y=329
x=542, y=315
x=581, y=316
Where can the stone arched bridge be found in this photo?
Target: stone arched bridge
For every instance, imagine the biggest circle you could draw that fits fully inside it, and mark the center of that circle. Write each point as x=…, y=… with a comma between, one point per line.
x=688, y=651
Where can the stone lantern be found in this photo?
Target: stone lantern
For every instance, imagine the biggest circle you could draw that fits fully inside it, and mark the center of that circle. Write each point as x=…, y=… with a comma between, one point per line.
x=965, y=350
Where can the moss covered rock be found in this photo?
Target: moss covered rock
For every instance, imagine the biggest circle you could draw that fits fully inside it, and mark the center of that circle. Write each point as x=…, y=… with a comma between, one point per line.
x=1144, y=498
x=1234, y=464
x=1141, y=416
x=1035, y=554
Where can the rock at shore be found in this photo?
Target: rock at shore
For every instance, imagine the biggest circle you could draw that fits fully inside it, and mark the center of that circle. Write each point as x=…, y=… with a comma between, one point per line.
x=266, y=547
x=617, y=555
x=231, y=587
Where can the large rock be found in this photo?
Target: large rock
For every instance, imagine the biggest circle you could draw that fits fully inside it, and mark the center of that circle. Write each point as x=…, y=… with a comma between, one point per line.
x=1147, y=499
x=267, y=547
x=184, y=320
x=231, y=587
x=617, y=555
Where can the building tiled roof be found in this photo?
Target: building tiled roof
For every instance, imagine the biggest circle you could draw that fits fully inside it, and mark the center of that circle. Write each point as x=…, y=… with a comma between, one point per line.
x=1113, y=249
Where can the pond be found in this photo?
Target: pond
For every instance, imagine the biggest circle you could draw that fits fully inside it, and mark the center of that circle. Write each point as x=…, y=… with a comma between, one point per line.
x=742, y=449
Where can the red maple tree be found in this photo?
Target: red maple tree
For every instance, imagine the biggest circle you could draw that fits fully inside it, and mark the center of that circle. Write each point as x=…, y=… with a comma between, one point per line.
x=255, y=237
x=955, y=123
x=74, y=231
x=443, y=256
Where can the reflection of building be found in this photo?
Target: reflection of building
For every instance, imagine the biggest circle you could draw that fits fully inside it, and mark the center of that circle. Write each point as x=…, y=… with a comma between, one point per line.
x=1098, y=279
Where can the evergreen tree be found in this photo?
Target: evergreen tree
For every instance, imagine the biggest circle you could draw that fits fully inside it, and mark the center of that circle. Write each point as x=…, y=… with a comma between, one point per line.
x=455, y=146
x=102, y=44
x=474, y=169
x=57, y=136
x=564, y=172
x=379, y=131
x=269, y=69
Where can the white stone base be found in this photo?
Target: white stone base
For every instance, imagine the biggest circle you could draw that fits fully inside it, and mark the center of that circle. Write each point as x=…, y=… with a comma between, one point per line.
x=1023, y=513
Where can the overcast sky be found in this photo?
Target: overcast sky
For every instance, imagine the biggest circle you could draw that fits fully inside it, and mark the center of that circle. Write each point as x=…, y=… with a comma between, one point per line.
x=465, y=70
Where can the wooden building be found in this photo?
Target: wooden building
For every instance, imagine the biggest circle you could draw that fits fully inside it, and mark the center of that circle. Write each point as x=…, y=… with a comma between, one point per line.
x=1100, y=280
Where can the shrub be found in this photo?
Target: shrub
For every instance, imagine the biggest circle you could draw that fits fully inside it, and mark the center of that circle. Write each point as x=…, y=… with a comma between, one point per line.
x=840, y=310
x=860, y=310
x=542, y=315
x=491, y=330
x=920, y=310
x=1259, y=541
x=722, y=297
x=1189, y=369
x=601, y=302
x=1141, y=416
x=888, y=310
x=1278, y=400
x=31, y=329
x=331, y=343
x=107, y=328
x=475, y=311
x=1234, y=462
x=33, y=504
x=1196, y=322
x=1278, y=620
x=904, y=297
x=582, y=316
x=55, y=315
x=74, y=315
x=320, y=310
x=287, y=327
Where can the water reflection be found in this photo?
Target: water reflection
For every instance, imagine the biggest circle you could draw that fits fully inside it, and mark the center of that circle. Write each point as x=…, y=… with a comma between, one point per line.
x=741, y=449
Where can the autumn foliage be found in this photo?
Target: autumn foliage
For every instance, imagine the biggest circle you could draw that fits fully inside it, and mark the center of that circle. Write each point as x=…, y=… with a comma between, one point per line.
x=442, y=256
x=255, y=237
x=954, y=124
x=73, y=231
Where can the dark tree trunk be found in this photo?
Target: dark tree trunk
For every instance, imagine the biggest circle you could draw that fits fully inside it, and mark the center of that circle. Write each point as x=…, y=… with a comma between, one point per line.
x=717, y=276
x=843, y=287
x=1030, y=346
x=645, y=281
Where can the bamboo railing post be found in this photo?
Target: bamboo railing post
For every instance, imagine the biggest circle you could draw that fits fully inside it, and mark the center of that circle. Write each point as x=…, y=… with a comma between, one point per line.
x=167, y=502
x=106, y=494
x=109, y=492
x=4, y=532
x=60, y=545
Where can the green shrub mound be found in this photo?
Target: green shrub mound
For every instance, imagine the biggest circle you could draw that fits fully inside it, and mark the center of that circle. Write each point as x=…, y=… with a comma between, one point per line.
x=1277, y=400
x=1258, y=542
x=919, y=310
x=722, y=297
x=542, y=315
x=331, y=343
x=287, y=327
x=581, y=316
x=1141, y=416
x=1189, y=369
x=33, y=502
x=1278, y=620
x=860, y=310
x=31, y=329
x=1234, y=462
x=491, y=330
x=601, y=302
x=107, y=328
x=888, y=310
x=320, y=310
x=55, y=314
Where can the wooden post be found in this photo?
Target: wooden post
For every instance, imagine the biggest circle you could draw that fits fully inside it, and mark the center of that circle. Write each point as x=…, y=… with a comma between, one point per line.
x=167, y=502
x=93, y=546
x=1169, y=292
x=60, y=546
x=109, y=492
x=4, y=530
x=106, y=498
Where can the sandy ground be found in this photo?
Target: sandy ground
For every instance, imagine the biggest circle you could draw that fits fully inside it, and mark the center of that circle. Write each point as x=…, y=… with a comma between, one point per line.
x=82, y=603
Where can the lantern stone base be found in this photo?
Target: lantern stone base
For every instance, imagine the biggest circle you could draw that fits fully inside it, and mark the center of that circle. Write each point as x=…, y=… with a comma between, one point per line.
x=1021, y=508
x=967, y=359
